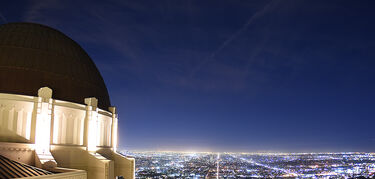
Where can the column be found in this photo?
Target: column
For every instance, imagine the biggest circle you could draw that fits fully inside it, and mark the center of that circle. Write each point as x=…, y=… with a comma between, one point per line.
x=91, y=122
x=114, y=129
x=43, y=120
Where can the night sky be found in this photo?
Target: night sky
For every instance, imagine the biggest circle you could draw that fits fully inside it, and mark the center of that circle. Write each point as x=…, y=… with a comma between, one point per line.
x=234, y=75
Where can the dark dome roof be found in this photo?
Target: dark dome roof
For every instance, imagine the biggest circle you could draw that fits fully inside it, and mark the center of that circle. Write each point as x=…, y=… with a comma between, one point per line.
x=34, y=56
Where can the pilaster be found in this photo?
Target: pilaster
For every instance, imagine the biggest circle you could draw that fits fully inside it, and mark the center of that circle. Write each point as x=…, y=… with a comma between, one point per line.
x=91, y=123
x=114, y=129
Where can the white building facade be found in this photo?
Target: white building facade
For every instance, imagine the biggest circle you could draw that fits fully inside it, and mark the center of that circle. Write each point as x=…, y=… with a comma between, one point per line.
x=68, y=138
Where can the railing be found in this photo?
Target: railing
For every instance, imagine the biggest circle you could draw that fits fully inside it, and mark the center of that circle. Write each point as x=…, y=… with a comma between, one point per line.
x=16, y=117
x=68, y=125
x=104, y=130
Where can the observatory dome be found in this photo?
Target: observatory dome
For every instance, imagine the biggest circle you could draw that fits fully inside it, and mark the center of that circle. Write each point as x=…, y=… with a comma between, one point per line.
x=34, y=56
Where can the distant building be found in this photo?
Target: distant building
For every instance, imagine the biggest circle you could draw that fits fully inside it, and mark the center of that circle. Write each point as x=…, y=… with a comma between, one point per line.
x=56, y=120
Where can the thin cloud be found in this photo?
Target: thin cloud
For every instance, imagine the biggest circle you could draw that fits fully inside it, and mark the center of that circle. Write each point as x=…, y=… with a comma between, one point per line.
x=235, y=35
x=108, y=30
x=3, y=18
x=114, y=29
x=37, y=6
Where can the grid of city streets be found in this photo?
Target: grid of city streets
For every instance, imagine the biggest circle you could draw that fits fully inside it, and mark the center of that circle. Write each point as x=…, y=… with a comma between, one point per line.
x=253, y=165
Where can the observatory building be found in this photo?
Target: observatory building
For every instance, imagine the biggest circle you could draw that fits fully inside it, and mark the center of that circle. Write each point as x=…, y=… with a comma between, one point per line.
x=56, y=119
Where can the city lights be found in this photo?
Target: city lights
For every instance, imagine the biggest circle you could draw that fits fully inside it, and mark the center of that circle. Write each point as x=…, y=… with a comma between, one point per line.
x=253, y=165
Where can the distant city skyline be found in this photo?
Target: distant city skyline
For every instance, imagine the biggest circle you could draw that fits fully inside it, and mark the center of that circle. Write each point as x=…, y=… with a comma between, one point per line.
x=270, y=165
x=236, y=76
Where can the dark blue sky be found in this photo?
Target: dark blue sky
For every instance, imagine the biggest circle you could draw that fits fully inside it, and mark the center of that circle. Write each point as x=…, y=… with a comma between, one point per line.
x=235, y=75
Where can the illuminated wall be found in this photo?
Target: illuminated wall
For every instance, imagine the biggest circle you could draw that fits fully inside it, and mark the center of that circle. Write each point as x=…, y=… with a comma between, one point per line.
x=68, y=125
x=54, y=122
x=16, y=117
x=63, y=134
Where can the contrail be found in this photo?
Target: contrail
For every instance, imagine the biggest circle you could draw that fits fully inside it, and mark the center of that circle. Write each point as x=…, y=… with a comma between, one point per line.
x=3, y=18
x=233, y=36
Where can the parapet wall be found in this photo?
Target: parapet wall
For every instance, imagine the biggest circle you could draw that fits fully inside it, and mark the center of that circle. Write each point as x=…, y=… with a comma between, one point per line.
x=18, y=116
x=49, y=133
